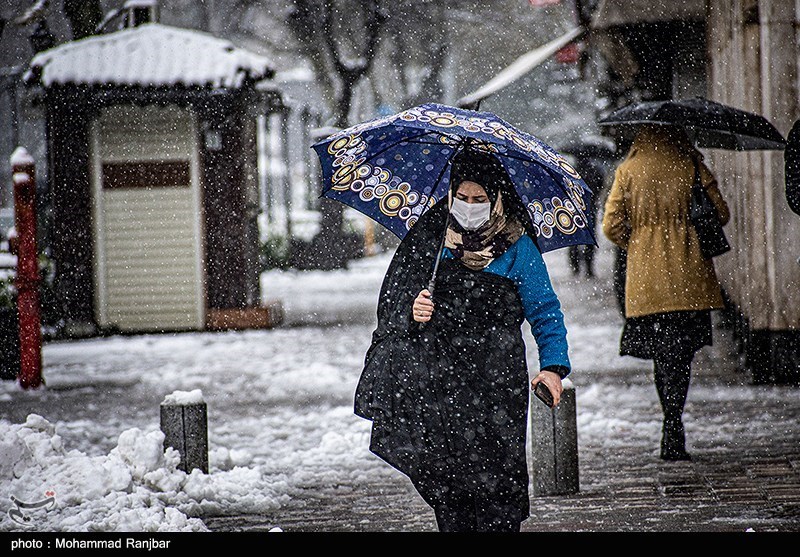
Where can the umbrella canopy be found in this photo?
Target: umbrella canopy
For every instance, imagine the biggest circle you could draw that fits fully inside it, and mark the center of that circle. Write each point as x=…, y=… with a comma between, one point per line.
x=708, y=123
x=393, y=169
x=791, y=159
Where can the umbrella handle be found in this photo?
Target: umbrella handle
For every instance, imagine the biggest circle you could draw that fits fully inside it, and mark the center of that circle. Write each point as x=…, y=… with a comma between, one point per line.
x=432, y=282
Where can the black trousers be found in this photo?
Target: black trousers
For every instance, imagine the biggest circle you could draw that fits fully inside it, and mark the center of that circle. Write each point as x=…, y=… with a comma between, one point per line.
x=672, y=375
x=582, y=254
x=470, y=512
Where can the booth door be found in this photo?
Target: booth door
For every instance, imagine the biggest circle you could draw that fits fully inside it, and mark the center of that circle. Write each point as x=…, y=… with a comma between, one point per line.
x=148, y=249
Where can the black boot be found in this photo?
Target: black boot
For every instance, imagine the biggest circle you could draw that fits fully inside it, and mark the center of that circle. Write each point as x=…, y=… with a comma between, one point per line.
x=588, y=254
x=672, y=383
x=673, y=440
x=574, y=260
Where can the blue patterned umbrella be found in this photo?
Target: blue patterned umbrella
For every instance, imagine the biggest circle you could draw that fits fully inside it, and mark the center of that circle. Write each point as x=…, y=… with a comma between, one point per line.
x=393, y=169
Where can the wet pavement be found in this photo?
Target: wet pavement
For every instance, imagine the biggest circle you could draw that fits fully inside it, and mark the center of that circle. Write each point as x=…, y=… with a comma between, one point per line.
x=753, y=484
x=284, y=398
x=745, y=442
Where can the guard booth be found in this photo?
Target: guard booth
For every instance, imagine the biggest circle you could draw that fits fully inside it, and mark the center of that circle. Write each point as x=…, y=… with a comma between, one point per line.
x=153, y=179
x=146, y=212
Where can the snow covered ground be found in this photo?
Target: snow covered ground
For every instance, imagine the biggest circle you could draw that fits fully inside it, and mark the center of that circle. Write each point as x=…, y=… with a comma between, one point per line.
x=280, y=414
x=92, y=435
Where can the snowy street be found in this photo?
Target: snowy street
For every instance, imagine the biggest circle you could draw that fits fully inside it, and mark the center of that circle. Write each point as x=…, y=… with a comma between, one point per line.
x=287, y=451
x=198, y=203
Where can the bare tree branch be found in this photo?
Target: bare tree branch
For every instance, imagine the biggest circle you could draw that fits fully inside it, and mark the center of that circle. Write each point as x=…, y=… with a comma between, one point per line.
x=353, y=70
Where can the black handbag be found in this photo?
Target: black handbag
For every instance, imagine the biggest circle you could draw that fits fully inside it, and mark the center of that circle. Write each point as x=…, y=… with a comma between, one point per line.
x=705, y=219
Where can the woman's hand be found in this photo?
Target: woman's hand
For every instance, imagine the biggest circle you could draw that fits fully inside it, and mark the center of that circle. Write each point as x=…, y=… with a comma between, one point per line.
x=423, y=307
x=552, y=381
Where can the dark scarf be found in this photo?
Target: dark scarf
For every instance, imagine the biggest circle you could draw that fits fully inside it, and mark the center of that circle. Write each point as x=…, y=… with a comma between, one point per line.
x=476, y=249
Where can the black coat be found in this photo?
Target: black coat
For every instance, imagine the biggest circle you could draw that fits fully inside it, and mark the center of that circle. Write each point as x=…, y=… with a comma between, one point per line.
x=791, y=158
x=448, y=399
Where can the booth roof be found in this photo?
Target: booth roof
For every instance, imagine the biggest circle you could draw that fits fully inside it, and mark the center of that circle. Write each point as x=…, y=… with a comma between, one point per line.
x=150, y=55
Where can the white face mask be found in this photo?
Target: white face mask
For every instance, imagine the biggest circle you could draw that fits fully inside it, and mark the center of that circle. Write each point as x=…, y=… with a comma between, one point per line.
x=470, y=215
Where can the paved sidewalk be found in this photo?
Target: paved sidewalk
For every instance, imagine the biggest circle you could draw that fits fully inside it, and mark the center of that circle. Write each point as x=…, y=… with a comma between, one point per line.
x=280, y=407
x=745, y=440
x=752, y=484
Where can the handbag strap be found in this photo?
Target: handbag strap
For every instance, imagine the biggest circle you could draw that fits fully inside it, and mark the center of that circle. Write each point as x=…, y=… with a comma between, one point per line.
x=700, y=203
x=696, y=182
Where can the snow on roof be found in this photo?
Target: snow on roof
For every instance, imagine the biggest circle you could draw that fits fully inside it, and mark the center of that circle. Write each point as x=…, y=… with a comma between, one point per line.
x=149, y=55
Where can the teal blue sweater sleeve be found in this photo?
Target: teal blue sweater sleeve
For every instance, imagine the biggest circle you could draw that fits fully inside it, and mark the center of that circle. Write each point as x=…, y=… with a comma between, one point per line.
x=523, y=263
x=542, y=308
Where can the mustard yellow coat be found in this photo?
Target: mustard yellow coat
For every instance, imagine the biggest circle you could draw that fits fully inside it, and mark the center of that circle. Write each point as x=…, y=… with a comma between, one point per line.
x=647, y=213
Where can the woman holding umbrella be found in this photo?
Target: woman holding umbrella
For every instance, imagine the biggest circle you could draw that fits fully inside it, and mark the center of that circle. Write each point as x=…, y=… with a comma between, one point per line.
x=445, y=383
x=670, y=287
x=445, y=380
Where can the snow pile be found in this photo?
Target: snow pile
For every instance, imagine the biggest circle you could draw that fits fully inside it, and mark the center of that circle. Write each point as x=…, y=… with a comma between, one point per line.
x=136, y=487
x=184, y=398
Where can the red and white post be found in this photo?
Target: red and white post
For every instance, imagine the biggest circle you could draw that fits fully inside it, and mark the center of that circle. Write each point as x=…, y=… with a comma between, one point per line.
x=27, y=281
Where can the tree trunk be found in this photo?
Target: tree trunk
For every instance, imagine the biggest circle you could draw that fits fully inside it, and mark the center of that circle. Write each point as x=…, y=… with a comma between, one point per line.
x=331, y=248
x=330, y=245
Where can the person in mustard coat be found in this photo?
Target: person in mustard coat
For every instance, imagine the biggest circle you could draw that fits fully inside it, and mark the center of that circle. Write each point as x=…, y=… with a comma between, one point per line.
x=670, y=289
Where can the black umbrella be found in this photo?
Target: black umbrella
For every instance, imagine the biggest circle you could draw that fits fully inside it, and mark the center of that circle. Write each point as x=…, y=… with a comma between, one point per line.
x=708, y=123
x=791, y=159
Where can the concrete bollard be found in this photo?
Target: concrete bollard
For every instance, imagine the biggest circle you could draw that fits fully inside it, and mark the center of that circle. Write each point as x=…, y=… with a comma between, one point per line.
x=554, y=445
x=184, y=422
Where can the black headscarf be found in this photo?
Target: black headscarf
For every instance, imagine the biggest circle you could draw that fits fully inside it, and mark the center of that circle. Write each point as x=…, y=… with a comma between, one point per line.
x=476, y=249
x=484, y=168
